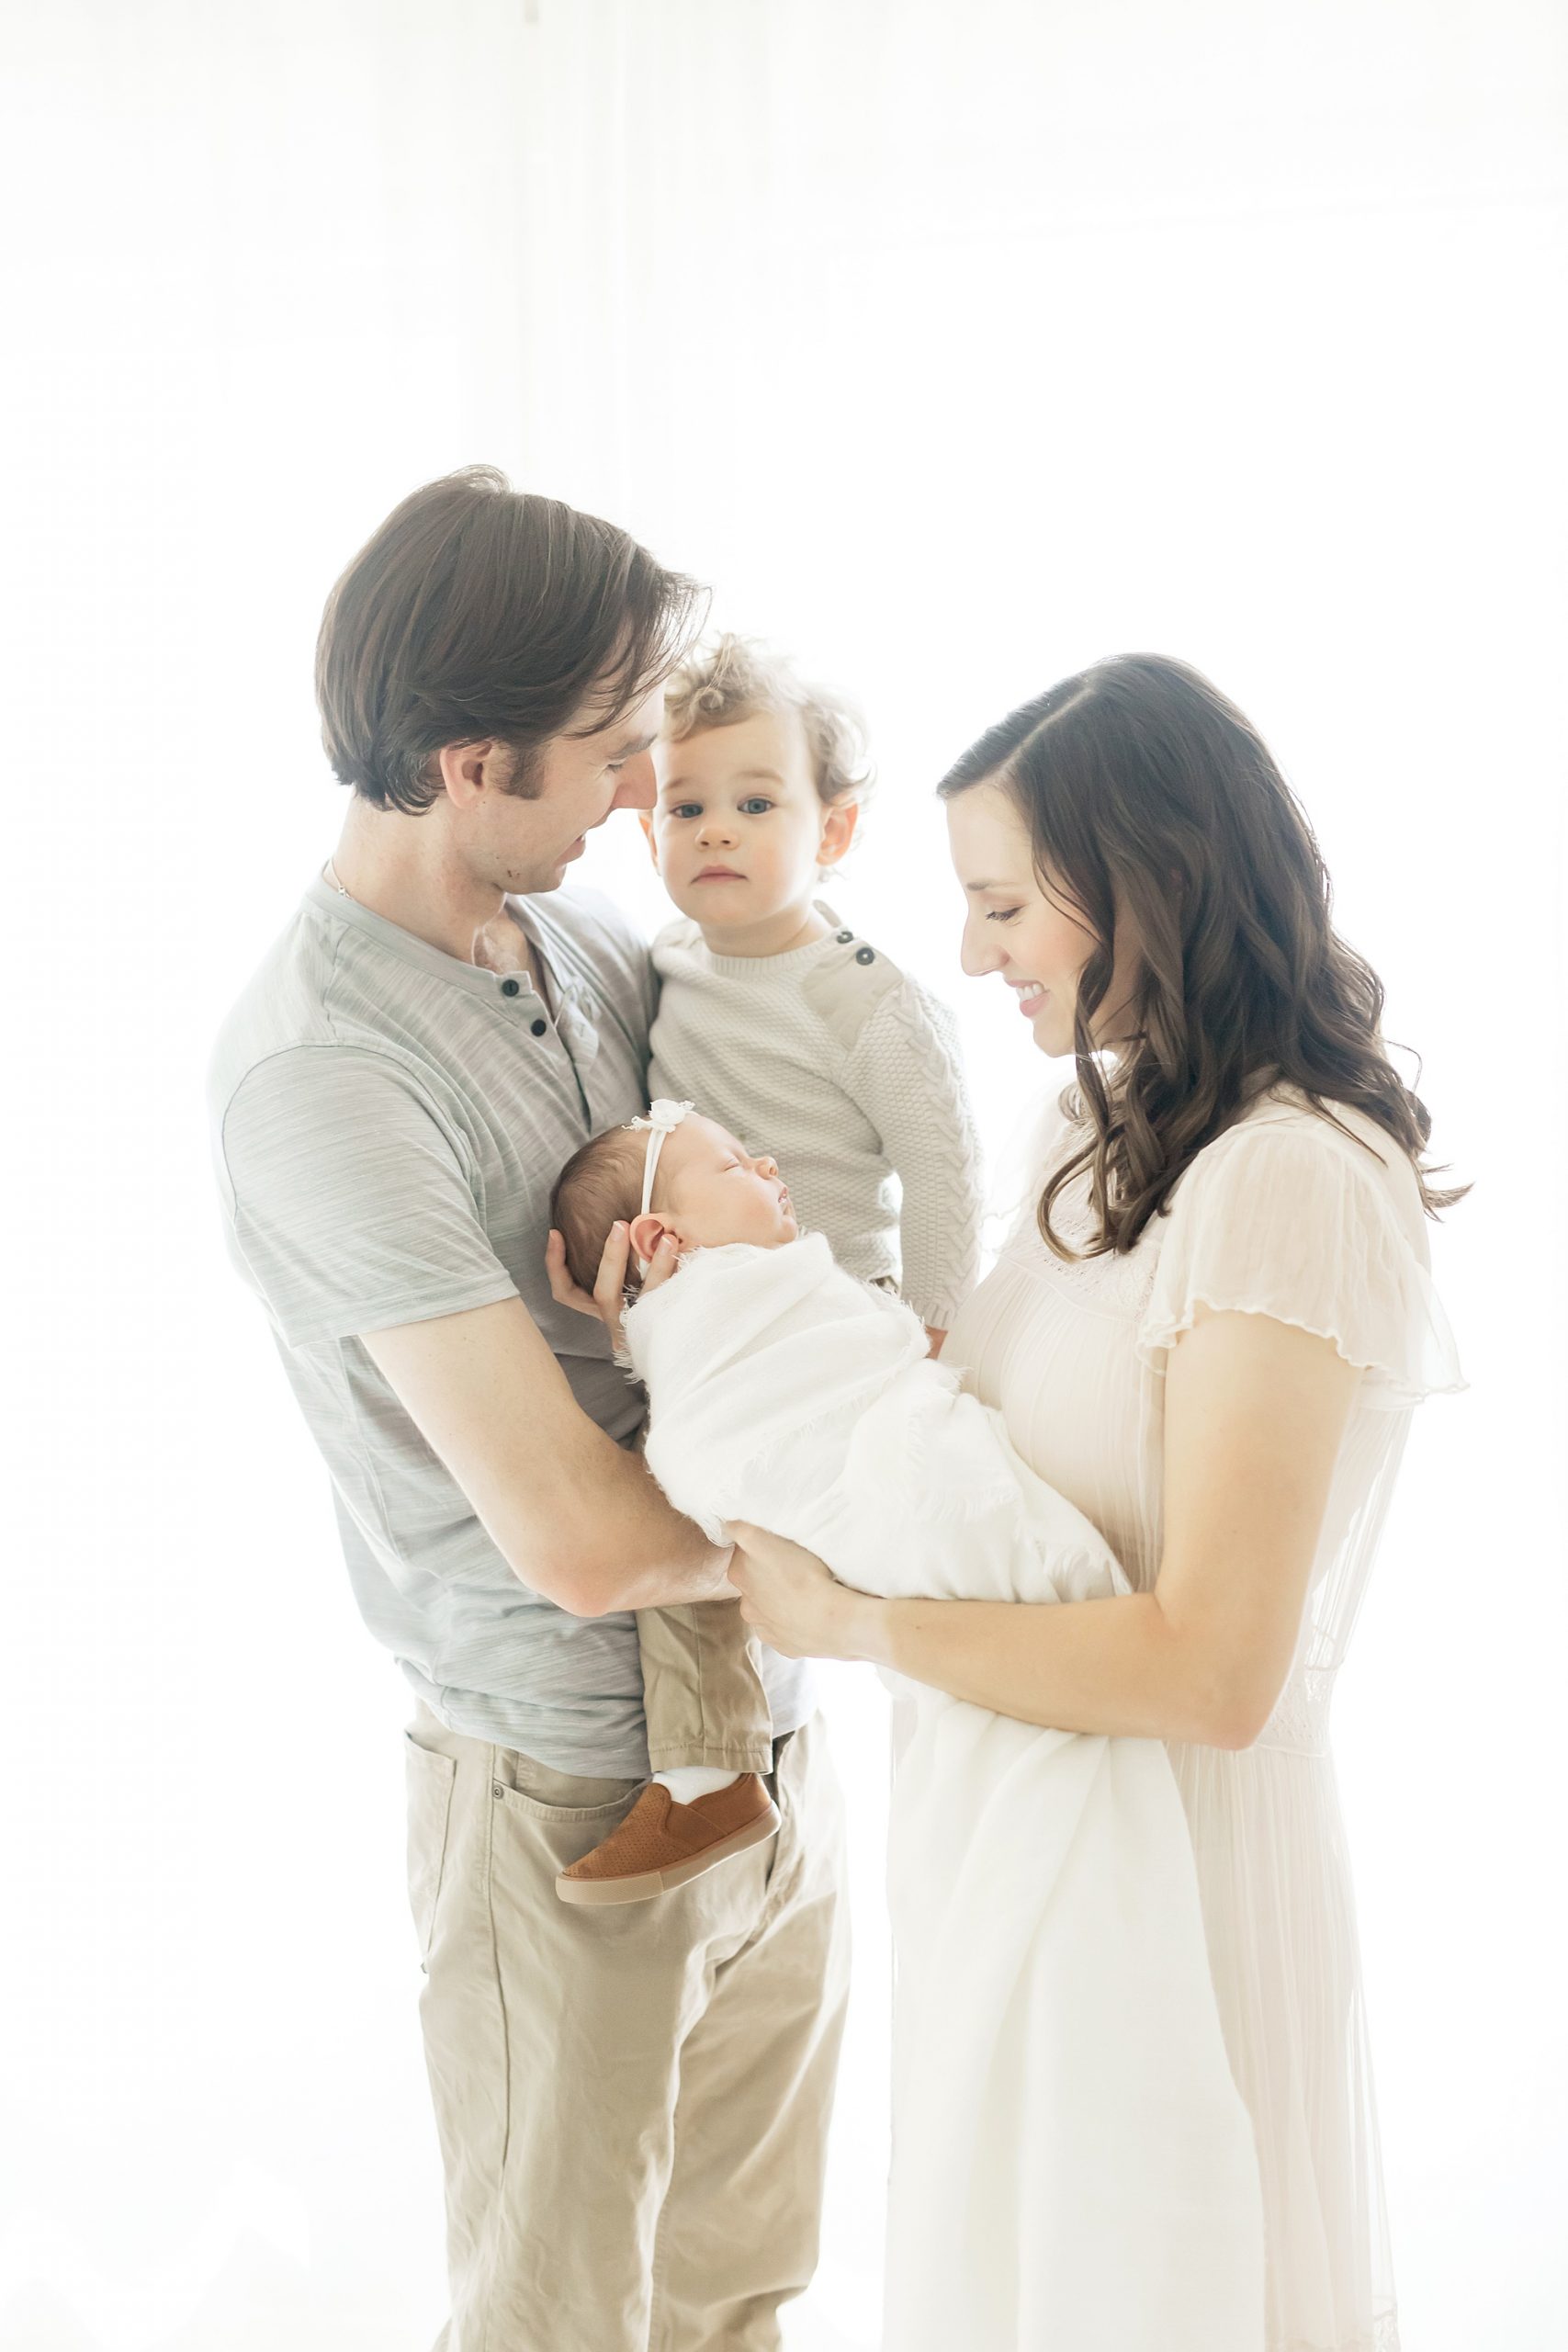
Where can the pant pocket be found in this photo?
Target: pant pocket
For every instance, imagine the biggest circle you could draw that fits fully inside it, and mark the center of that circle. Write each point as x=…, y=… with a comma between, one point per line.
x=430, y=1781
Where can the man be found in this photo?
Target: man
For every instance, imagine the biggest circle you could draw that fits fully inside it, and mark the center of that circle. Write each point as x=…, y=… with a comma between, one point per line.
x=632, y=2103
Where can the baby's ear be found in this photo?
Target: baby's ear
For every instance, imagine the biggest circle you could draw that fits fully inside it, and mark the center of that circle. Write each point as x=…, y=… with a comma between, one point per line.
x=645, y=818
x=645, y=1233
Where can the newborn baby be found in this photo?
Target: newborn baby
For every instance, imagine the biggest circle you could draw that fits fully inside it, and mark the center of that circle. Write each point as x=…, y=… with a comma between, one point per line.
x=1057, y=2054
x=678, y=1177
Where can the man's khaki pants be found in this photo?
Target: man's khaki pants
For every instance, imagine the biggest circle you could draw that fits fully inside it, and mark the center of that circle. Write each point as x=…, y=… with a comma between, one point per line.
x=633, y=2100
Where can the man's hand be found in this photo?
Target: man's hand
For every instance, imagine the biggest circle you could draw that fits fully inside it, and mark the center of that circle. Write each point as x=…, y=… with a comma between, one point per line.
x=607, y=1299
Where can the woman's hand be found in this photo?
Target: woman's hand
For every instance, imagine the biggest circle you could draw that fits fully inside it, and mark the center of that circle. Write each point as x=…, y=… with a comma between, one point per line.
x=607, y=1301
x=796, y=1604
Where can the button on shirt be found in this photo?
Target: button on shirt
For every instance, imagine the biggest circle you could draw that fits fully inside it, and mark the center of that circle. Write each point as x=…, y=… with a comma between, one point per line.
x=387, y=1123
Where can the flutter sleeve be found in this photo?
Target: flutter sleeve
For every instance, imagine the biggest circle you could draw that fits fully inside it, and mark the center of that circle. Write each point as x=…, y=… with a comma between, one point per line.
x=1297, y=1222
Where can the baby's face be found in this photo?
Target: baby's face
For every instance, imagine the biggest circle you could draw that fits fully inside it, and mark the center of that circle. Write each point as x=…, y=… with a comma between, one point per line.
x=708, y=1190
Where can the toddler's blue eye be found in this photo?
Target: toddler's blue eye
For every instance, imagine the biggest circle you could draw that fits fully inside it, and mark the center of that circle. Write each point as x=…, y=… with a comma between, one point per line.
x=687, y=808
x=756, y=807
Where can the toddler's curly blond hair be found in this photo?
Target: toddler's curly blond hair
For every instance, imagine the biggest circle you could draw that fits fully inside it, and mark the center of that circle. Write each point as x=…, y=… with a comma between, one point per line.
x=731, y=678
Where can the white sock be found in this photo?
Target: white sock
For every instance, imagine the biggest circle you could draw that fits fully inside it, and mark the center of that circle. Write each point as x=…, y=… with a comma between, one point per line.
x=686, y=1782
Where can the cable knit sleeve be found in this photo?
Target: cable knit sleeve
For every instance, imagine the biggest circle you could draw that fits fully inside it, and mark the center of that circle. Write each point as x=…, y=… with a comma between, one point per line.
x=907, y=1073
x=1294, y=1221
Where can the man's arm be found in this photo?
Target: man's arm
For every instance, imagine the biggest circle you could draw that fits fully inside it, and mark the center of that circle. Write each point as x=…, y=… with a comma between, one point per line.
x=577, y=1518
x=353, y=1218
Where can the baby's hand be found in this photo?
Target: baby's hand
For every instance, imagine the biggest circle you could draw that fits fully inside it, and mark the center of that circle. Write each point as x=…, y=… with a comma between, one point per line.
x=608, y=1297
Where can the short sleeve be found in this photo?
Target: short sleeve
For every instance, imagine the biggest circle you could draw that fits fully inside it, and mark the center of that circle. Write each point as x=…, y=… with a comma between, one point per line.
x=349, y=1204
x=1280, y=1219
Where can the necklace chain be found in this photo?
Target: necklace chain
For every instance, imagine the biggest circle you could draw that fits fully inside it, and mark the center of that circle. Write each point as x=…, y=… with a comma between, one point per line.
x=341, y=888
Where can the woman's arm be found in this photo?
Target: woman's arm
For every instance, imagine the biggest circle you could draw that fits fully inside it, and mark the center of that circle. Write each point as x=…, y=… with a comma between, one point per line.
x=1254, y=1414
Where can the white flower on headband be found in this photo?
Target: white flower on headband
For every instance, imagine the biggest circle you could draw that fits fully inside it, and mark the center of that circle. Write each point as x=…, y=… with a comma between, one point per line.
x=663, y=1117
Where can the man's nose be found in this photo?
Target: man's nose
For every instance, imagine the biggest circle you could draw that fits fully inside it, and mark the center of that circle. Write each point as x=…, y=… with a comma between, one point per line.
x=638, y=786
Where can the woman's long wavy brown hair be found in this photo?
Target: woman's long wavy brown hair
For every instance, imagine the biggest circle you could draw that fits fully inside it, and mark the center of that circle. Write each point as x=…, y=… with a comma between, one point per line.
x=1148, y=795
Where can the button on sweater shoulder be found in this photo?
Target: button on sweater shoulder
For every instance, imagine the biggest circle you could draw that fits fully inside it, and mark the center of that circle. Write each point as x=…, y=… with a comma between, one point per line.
x=848, y=1070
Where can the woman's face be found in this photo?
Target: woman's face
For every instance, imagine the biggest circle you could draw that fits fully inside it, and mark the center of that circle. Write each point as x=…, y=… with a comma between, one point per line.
x=1014, y=927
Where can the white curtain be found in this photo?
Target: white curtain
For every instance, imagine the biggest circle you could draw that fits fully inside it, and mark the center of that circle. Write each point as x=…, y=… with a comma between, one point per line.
x=954, y=346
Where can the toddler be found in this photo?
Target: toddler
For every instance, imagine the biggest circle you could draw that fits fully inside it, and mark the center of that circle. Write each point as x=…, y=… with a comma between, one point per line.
x=772, y=1014
x=797, y=1035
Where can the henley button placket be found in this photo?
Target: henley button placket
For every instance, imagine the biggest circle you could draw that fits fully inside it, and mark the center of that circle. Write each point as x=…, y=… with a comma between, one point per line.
x=512, y=986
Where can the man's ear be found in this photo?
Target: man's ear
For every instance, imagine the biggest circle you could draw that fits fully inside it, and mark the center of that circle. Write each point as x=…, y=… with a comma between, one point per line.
x=645, y=1233
x=645, y=818
x=468, y=769
x=839, y=822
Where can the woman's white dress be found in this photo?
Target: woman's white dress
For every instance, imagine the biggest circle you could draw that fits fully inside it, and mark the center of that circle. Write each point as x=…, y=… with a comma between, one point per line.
x=1285, y=1216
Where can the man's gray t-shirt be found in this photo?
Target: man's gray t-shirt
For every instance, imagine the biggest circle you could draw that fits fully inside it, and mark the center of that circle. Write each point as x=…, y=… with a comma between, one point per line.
x=387, y=1123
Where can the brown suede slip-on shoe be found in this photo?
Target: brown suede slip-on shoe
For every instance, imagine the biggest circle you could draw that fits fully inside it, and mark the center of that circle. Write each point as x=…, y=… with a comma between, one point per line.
x=661, y=1844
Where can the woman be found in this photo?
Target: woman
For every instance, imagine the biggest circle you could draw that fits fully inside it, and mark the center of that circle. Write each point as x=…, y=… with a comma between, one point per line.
x=1210, y=1335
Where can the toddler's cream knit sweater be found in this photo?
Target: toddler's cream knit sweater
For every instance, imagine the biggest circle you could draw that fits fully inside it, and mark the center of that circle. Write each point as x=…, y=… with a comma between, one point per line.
x=848, y=1071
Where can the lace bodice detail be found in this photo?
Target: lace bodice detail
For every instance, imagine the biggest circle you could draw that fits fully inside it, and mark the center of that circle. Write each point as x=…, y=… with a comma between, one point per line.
x=1108, y=1284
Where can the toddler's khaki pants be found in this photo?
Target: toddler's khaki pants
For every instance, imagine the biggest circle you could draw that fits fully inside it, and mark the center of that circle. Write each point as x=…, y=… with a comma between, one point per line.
x=632, y=2101
x=702, y=1695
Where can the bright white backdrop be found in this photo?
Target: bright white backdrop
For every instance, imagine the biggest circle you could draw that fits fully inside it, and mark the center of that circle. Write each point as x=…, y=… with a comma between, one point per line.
x=955, y=347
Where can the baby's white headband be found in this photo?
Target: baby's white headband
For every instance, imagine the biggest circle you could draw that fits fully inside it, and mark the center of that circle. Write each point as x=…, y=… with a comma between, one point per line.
x=663, y=1118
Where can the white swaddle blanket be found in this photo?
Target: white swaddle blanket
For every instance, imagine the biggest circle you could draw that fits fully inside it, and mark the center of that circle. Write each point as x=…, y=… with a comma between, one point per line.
x=1073, y=2167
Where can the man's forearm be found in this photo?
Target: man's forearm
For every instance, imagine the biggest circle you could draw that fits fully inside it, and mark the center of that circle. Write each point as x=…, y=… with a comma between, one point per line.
x=656, y=1559
x=576, y=1518
x=673, y=1583
x=615, y=1542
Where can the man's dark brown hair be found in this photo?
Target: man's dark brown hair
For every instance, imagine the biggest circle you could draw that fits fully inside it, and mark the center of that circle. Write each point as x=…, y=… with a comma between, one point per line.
x=479, y=611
